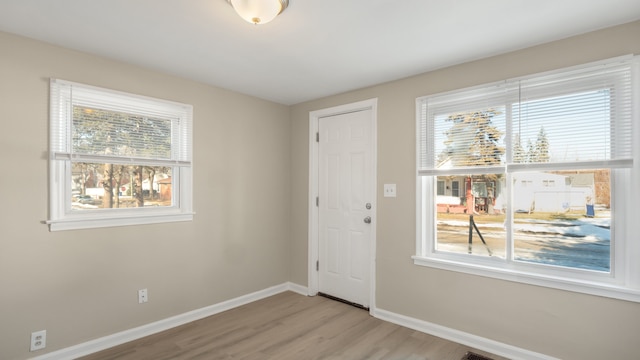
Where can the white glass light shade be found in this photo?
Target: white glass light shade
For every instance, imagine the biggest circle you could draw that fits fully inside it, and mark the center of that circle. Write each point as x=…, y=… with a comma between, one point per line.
x=259, y=11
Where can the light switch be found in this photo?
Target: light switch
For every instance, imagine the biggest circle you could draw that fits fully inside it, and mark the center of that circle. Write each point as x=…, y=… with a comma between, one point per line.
x=389, y=190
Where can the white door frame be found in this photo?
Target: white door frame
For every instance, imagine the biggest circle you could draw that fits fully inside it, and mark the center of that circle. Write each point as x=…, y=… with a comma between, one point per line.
x=314, y=118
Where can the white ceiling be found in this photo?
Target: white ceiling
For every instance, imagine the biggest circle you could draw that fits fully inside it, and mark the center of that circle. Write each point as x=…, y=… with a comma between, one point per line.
x=315, y=48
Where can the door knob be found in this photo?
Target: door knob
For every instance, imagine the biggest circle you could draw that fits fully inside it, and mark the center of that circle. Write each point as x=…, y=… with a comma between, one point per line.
x=367, y=220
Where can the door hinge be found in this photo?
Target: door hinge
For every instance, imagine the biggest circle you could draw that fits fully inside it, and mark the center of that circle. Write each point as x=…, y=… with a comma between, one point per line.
x=317, y=137
x=317, y=265
x=317, y=201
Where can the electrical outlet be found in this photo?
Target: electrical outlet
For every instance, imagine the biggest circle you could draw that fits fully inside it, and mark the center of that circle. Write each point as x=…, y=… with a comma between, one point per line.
x=38, y=340
x=143, y=296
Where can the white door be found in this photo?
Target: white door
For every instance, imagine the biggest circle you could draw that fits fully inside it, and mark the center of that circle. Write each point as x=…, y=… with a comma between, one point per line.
x=345, y=205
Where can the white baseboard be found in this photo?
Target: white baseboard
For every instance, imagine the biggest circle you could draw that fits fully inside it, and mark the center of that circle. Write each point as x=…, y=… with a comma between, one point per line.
x=299, y=289
x=116, y=339
x=109, y=341
x=461, y=337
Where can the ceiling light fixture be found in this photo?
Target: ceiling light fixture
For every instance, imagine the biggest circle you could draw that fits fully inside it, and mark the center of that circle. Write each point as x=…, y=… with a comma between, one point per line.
x=259, y=11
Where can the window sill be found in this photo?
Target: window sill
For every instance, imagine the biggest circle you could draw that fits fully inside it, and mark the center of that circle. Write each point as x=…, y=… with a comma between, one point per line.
x=90, y=223
x=614, y=291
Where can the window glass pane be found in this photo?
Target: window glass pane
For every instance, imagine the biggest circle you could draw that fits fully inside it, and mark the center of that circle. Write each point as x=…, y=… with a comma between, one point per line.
x=563, y=218
x=481, y=202
x=130, y=186
x=470, y=138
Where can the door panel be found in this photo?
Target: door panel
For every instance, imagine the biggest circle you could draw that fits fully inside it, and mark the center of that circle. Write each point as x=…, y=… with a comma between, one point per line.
x=345, y=187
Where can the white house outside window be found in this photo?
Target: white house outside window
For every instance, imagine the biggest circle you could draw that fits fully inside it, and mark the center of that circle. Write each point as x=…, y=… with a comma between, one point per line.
x=545, y=166
x=117, y=158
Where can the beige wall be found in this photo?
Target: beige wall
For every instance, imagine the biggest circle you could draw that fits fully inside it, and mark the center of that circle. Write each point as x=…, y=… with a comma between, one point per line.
x=553, y=322
x=81, y=285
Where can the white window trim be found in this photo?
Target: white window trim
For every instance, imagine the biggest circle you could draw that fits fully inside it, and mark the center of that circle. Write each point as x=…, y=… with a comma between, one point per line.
x=623, y=282
x=60, y=215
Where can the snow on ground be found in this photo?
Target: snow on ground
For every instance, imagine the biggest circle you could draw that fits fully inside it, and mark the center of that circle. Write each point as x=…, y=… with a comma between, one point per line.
x=583, y=243
x=596, y=229
x=77, y=205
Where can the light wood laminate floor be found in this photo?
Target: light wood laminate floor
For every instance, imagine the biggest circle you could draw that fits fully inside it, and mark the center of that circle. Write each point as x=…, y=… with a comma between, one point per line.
x=289, y=326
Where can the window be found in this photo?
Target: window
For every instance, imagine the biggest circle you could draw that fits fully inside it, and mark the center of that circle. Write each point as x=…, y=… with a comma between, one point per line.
x=546, y=164
x=455, y=189
x=440, y=190
x=117, y=159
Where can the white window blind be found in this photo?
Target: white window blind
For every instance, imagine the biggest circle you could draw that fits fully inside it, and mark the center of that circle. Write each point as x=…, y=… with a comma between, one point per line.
x=462, y=130
x=587, y=111
x=109, y=126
